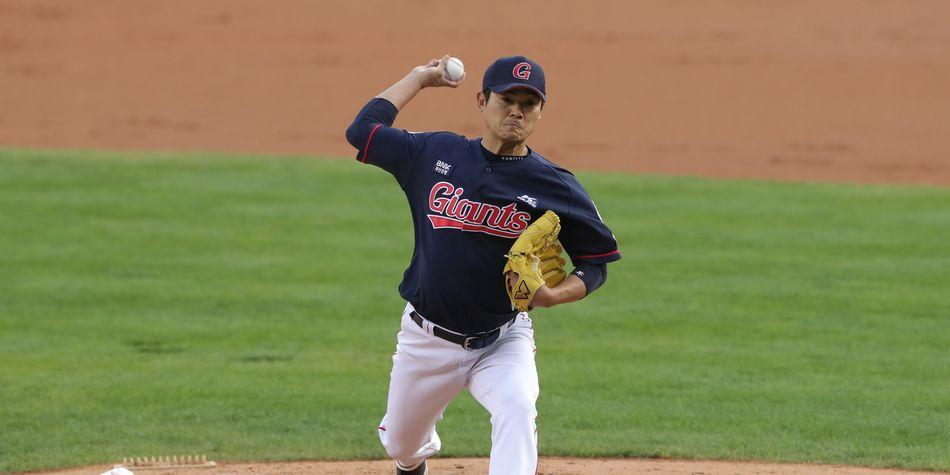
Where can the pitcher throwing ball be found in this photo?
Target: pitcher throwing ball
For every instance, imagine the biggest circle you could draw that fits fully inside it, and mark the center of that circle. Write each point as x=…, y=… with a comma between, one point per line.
x=490, y=217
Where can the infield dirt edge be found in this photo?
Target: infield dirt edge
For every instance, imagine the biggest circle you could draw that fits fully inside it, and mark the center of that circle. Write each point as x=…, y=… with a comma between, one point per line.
x=549, y=465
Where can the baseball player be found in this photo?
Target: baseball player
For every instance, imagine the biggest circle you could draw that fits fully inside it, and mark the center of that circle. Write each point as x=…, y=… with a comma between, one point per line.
x=463, y=326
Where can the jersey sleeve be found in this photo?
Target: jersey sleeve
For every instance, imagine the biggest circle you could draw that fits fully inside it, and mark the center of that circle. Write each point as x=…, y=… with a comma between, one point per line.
x=583, y=233
x=379, y=143
x=593, y=275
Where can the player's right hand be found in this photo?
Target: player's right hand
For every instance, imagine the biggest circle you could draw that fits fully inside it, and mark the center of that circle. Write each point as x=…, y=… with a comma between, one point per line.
x=432, y=74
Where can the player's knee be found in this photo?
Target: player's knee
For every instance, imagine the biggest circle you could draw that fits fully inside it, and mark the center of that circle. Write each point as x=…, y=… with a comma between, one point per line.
x=519, y=409
x=397, y=451
x=396, y=446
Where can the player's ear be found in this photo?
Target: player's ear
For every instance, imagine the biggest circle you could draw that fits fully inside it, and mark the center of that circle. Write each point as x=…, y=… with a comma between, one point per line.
x=480, y=101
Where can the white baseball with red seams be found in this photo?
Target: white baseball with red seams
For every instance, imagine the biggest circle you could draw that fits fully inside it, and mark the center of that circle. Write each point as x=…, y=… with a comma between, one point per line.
x=454, y=69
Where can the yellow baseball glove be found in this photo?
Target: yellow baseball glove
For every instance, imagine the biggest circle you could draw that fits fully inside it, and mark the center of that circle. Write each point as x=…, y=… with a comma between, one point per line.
x=536, y=259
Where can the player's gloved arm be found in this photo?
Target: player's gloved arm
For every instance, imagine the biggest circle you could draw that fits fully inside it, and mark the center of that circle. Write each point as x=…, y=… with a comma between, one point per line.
x=571, y=290
x=581, y=282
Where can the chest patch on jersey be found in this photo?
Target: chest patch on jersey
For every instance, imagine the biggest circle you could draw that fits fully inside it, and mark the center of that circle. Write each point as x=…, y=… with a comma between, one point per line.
x=533, y=202
x=449, y=210
x=443, y=168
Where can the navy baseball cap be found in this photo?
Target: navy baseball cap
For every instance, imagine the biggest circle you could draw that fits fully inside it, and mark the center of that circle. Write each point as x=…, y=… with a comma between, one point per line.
x=513, y=72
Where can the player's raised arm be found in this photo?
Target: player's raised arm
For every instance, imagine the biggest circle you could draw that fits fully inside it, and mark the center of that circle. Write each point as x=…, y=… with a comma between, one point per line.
x=371, y=132
x=382, y=110
x=432, y=74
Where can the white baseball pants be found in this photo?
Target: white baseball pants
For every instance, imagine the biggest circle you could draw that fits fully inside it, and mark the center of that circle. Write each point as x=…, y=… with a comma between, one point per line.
x=428, y=372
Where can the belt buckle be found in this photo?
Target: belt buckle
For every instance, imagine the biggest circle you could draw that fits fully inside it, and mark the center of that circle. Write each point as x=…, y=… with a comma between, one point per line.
x=468, y=339
x=483, y=340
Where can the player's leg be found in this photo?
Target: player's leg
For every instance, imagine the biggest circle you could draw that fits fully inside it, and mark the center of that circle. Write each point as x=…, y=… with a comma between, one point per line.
x=423, y=381
x=505, y=381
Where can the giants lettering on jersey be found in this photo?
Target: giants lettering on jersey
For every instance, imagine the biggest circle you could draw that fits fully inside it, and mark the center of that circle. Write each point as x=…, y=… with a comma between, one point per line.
x=453, y=211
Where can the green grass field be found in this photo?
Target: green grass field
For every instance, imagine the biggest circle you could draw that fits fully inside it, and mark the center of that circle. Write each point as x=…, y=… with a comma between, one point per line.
x=246, y=308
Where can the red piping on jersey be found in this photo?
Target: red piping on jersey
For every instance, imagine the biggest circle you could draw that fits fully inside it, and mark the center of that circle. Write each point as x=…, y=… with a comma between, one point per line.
x=441, y=222
x=369, y=141
x=591, y=256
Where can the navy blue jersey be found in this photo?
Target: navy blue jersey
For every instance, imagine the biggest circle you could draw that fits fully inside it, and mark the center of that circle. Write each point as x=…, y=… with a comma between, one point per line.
x=467, y=212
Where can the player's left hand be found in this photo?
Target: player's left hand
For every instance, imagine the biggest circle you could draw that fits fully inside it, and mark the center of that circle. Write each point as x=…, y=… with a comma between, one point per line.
x=534, y=258
x=552, y=271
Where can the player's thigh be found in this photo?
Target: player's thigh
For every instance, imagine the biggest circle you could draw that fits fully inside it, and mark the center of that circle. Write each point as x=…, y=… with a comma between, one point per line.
x=507, y=375
x=424, y=379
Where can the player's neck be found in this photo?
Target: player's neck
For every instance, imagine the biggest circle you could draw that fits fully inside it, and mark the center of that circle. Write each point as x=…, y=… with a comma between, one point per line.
x=499, y=147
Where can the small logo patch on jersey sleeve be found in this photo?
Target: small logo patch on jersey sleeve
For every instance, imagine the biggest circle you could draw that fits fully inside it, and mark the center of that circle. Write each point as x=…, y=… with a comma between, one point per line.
x=443, y=168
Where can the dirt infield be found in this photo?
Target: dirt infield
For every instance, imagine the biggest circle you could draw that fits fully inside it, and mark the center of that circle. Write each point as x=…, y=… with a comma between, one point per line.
x=549, y=466
x=851, y=90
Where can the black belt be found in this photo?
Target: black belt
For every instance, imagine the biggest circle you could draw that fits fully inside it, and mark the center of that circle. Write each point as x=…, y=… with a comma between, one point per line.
x=475, y=341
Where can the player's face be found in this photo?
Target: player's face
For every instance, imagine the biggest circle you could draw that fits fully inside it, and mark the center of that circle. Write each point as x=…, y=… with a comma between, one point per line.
x=511, y=116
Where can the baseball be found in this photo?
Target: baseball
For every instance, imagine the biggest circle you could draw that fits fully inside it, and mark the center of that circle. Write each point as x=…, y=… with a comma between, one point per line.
x=118, y=471
x=454, y=69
